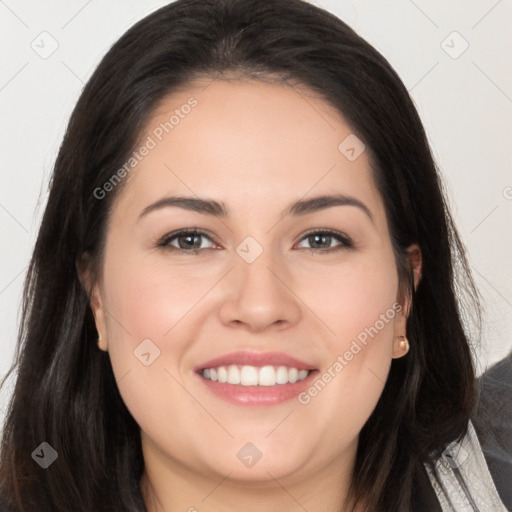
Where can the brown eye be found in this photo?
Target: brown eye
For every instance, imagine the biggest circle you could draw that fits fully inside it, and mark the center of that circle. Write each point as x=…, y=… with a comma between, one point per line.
x=187, y=241
x=321, y=241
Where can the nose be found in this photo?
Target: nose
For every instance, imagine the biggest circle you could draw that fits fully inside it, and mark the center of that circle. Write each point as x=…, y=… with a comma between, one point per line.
x=260, y=295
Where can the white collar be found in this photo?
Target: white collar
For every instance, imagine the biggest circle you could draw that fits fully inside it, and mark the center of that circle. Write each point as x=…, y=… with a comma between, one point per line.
x=467, y=485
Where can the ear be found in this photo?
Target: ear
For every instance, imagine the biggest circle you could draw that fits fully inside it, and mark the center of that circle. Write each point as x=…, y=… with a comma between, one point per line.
x=92, y=288
x=415, y=264
x=414, y=261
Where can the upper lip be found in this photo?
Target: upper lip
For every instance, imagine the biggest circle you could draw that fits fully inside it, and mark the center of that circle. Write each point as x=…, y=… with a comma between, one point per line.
x=255, y=359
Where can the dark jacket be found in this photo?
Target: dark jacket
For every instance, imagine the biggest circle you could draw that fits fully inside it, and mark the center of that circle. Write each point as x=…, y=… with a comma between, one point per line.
x=493, y=425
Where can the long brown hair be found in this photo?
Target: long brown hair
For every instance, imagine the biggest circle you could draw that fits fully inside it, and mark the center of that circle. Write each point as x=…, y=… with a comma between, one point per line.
x=65, y=391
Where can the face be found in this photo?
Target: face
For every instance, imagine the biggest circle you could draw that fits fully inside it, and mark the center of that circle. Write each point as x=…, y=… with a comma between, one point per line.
x=317, y=285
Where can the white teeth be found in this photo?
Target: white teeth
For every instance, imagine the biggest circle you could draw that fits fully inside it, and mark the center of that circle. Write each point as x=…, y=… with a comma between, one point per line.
x=302, y=374
x=222, y=374
x=282, y=375
x=255, y=376
x=249, y=376
x=267, y=376
x=233, y=375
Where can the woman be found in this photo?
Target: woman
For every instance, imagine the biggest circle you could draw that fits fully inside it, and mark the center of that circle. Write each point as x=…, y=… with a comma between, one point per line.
x=261, y=371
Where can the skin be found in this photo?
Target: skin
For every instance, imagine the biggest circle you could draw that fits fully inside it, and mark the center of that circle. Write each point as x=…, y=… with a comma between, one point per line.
x=257, y=148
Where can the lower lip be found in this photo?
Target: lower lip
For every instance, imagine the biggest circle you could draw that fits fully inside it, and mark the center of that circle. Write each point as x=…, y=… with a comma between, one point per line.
x=257, y=395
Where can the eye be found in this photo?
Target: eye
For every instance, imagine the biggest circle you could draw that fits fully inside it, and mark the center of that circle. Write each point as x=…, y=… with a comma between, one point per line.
x=324, y=237
x=188, y=241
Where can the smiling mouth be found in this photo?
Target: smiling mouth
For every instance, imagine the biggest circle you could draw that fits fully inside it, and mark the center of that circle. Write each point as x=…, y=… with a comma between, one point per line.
x=247, y=375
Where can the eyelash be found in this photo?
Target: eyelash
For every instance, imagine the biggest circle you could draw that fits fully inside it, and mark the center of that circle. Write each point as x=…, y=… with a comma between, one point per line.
x=346, y=242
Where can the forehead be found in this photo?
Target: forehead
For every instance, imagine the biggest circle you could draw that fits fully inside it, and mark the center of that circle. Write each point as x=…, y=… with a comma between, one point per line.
x=247, y=144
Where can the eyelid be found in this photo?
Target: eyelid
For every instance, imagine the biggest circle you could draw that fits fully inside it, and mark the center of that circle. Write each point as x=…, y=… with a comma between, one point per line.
x=195, y=231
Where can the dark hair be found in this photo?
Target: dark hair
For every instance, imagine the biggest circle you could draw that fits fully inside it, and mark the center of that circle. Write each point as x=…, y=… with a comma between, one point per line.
x=66, y=393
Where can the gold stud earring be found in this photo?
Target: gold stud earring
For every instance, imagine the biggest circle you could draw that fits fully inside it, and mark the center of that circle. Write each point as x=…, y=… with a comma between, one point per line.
x=99, y=341
x=403, y=344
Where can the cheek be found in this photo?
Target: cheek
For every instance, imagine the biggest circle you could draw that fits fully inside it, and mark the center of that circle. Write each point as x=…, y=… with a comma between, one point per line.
x=358, y=305
x=151, y=298
x=351, y=298
x=148, y=331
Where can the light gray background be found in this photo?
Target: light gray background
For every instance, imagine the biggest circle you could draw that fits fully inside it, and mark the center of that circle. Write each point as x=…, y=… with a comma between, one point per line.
x=464, y=99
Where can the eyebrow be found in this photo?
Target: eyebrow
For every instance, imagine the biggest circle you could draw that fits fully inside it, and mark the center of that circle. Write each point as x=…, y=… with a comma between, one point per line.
x=219, y=209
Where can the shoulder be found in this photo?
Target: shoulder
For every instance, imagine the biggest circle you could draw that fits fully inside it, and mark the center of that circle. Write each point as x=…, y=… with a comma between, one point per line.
x=493, y=424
